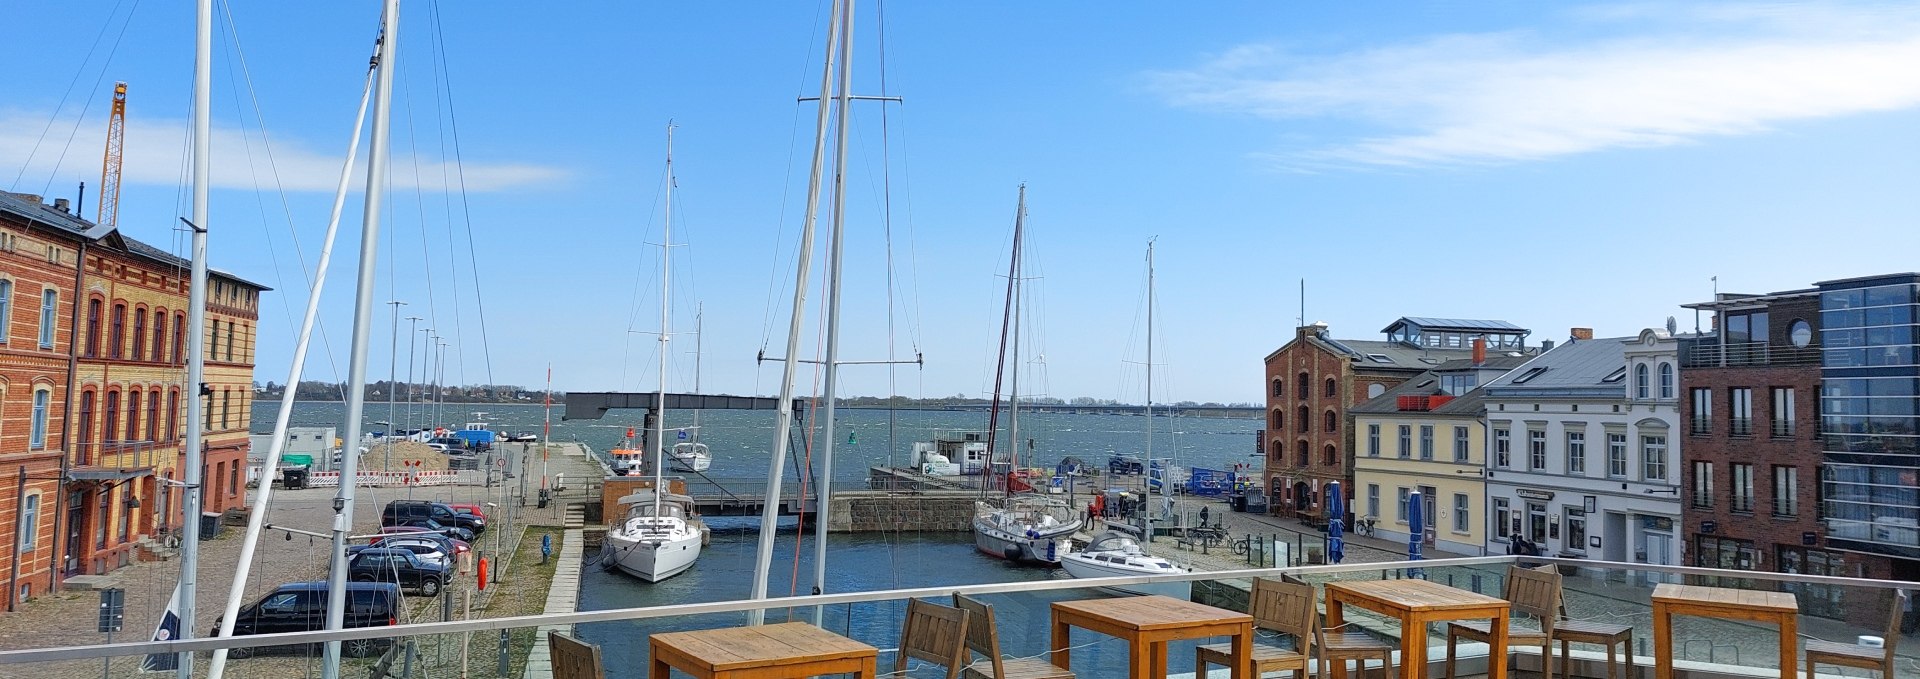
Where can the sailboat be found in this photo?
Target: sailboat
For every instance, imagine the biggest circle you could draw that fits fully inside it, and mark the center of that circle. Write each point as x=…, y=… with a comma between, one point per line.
x=658, y=537
x=1112, y=553
x=692, y=456
x=1027, y=527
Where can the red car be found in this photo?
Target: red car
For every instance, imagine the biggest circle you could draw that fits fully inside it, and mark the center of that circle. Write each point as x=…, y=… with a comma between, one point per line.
x=469, y=509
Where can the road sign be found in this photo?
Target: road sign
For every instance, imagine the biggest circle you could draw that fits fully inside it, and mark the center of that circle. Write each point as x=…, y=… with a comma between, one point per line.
x=113, y=609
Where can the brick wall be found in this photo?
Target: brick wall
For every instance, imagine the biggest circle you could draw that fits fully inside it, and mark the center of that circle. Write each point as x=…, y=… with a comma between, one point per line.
x=33, y=261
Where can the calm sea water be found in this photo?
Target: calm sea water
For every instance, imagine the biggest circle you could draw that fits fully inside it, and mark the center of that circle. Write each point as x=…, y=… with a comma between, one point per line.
x=740, y=440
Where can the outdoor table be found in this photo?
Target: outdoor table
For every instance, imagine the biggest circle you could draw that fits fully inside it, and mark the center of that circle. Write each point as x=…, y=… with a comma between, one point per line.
x=1147, y=623
x=1780, y=608
x=1415, y=603
x=792, y=650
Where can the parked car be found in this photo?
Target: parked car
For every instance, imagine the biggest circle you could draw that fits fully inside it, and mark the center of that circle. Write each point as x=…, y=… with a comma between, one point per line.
x=459, y=547
x=431, y=525
x=401, y=567
x=434, y=551
x=1126, y=464
x=469, y=509
x=399, y=511
x=302, y=607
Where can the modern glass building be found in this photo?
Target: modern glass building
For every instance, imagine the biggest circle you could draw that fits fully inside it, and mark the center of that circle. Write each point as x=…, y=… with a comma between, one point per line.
x=1870, y=415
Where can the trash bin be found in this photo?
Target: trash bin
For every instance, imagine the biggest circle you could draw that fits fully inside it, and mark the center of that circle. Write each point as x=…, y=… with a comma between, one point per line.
x=210, y=525
x=294, y=478
x=545, y=497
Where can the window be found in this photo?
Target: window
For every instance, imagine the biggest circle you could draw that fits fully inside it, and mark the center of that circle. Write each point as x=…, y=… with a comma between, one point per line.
x=1536, y=450
x=1329, y=456
x=233, y=479
x=1333, y=388
x=6, y=308
x=226, y=408
x=93, y=328
x=1640, y=381
x=1402, y=516
x=1537, y=522
x=1576, y=528
x=111, y=430
x=1701, y=420
x=126, y=511
x=1455, y=385
x=1800, y=333
x=1375, y=390
x=1782, y=411
x=86, y=422
x=1617, y=455
x=207, y=412
x=117, y=336
x=133, y=416
x=1277, y=451
x=1529, y=374
x=159, y=336
x=49, y=300
x=213, y=342
x=1279, y=387
x=1666, y=380
x=37, y=434
x=1303, y=420
x=173, y=414
x=230, y=334
x=153, y=415
x=1330, y=422
x=1373, y=500
x=1702, y=484
x=1460, y=513
x=1426, y=442
x=1373, y=440
x=1460, y=443
x=1576, y=452
x=1653, y=458
x=1302, y=385
x=1740, y=403
x=179, y=337
x=1786, y=490
x=1503, y=522
x=1406, y=441
x=29, y=523
x=1277, y=421
x=139, y=335
x=105, y=512
x=1301, y=451
x=1742, y=498
x=1502, y=451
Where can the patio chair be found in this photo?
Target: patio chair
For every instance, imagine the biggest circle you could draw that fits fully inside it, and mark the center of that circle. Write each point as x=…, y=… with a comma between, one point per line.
x=983, y=637
x=935, y=634
x=1863, y=657
x=1533, y=593
x=1608, y=634
x=1277, y=606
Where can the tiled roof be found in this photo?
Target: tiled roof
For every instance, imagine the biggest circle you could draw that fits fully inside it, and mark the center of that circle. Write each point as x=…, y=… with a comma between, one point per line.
x=35, y=212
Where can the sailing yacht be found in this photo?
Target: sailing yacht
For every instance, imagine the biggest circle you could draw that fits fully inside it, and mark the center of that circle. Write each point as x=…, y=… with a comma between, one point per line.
x=690, y=456
x=658, y=537
x=1027, y=527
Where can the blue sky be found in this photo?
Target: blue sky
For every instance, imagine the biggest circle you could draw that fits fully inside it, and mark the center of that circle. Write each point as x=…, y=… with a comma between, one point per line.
x=1559, y=166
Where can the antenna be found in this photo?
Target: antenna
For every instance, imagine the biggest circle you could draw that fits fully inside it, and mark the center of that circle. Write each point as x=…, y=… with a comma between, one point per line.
x=1303, y=304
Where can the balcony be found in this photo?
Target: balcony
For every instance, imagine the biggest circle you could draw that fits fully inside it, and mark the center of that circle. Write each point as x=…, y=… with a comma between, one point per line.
x=119, y=454
x=1740, y=426
x=1832, y=609
x=1709, y=354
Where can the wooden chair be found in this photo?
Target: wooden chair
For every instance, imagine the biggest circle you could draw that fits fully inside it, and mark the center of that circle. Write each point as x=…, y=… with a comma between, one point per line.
x=1606, y=634
x=1851, y=655
x=1340, y=647
x=1532, y=592
x=574, y=659
x=933, y=633
x=1277, y=606
x=983, y=636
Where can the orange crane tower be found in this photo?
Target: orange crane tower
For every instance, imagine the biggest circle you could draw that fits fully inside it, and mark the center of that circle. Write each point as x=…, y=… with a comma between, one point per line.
x=109, y=210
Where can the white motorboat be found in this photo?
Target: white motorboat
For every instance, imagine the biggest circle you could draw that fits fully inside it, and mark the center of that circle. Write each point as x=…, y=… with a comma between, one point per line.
x=690, y=457
x=1031, y=529
x=658, y=539
x=1112, y=554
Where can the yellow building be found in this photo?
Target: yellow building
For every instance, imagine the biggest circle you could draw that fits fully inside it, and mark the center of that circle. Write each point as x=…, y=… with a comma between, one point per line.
x=1427, y=436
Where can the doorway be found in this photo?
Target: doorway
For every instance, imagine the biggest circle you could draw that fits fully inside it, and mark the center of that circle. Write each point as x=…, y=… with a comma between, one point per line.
x=76, y=533
x=1430, y=504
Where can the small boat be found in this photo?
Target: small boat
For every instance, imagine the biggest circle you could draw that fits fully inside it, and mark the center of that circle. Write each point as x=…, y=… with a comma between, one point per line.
x=690, y=457
x=1113, y=554
x=625, y=459
x=1030, y=529
x=659, y=537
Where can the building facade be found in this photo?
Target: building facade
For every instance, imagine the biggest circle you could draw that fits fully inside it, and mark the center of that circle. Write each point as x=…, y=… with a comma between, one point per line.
x=1313, y=379
x=1870, y=422
x=1582, y=457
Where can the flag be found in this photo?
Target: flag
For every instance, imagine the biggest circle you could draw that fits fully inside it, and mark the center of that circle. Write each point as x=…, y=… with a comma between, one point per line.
x=168, y=629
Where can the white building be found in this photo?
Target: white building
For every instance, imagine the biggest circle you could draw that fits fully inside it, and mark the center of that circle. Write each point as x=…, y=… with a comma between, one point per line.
x=1583, y=450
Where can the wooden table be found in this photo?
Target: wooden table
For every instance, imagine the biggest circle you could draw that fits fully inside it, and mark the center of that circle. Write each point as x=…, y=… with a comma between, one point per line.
x=792, y=650
x=1147, y=623
x=1415, y=603
x=1780, y=608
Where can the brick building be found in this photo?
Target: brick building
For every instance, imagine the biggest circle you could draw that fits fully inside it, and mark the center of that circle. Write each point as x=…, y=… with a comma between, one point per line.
x=233, y=315
x=1313, y=379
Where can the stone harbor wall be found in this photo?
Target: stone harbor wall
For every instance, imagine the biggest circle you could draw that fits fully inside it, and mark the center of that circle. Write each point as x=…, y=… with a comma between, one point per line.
x=868, y=511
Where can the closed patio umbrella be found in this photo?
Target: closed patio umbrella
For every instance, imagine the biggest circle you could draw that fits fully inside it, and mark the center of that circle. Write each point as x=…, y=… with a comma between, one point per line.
x=1336, y=513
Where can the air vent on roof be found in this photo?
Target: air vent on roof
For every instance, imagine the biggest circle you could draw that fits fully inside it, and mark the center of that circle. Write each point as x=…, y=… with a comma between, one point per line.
x=1529, y=374
x=1424, y=384
x=1431, y=361
x=1379, y=358
x=1616, y=375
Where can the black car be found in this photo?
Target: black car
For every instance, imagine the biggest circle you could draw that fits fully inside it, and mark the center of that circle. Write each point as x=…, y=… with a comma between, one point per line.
x=302, y=607
x=431, y=525
x=399, y=566
x=398, y=512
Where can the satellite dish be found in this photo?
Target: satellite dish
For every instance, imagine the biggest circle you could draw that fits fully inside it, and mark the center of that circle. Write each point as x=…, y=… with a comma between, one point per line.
x=1673, y=326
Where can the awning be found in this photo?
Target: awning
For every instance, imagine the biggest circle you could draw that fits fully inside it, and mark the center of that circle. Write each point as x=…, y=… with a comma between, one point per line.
x=99, y=474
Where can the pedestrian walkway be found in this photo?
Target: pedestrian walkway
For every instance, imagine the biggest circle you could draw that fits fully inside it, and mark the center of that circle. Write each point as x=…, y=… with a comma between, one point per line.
x=563, y=597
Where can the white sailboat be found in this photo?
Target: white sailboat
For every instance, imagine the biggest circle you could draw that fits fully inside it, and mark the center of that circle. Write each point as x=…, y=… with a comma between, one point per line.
x=1026, y=528
x=658, y=538
x=692, y=456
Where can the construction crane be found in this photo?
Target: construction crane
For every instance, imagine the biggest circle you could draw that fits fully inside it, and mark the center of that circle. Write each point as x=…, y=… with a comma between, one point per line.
x=109, y=210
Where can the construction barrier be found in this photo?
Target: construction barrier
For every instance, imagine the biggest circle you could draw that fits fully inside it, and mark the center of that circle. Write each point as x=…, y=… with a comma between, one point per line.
x=392, y=479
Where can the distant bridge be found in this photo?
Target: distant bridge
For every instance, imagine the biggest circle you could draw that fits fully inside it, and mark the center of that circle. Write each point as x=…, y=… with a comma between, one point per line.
x=1248, y=412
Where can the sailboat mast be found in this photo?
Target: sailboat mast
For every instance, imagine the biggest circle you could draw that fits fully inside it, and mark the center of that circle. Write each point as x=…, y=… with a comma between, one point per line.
x=1150, y=360
x=836, y=242
x=1013, y=398
x=666, y=279
x=1006, y=325
x=362, y=327
x=699, y=314
x=783, y=421
x=197, y=305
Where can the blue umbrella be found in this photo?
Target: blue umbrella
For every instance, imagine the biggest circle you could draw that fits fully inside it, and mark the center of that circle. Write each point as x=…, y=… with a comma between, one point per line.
x=1336, y=546
x=1416, y=528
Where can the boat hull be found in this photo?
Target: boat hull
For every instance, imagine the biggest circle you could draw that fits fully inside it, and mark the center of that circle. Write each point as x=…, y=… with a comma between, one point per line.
x=690, y=463
x=653, y=560
x=1079, y=566
x=1041, y=550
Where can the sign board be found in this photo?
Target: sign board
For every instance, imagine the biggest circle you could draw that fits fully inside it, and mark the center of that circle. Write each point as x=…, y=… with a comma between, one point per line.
x=113, y=609
x=1810, y=538
x=1531, y=494
x=573, y=659
x=1709, y=527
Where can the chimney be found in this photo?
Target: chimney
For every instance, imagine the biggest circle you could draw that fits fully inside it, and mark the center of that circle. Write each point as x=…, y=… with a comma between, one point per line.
x=61, y=204
x=1546, y=346
x=1479, y=351
x=1581, y=333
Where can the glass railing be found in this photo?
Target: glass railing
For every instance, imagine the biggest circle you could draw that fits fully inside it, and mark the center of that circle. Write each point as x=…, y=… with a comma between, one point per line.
x=1841, y=610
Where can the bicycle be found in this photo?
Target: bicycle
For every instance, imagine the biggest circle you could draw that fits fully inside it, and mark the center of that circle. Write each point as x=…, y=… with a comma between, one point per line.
x=1364, y=526
x=1241, y=546
x=1206, y=536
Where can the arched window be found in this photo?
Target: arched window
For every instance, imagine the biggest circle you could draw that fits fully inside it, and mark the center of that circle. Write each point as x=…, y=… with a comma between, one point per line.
x=153, y=414
x=133, y=415
x=179, y=338
x=1333, y=388
x=110, y=429
x=1301, y=450
x=1329, y=456
x=86, y=422
x=139, y=334
x=159, y=336
x=173, y=414
x=1375, y=390
x=1276, y=452
x=1279, y=387
x=1279, y=420
x=1640, y=381
x=1304, y=420
x=117, y=335
x=37, y=424
x=1303, y=385
x=93, y=328
x=1331, y=420
x=1666, y=380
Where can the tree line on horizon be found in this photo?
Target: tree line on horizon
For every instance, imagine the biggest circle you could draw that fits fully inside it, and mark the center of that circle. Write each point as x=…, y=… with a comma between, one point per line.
x=317, y=390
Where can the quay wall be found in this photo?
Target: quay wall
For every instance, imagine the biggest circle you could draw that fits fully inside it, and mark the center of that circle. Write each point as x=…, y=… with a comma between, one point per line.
x=924, y=511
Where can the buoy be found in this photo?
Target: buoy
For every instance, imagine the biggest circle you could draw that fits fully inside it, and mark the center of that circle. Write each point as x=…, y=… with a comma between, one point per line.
x=483, y=574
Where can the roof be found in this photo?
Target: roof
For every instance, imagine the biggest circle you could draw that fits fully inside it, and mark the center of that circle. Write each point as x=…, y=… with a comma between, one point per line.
x=1580, y=365
x=229, y=276
x=28, y=206
x=1395, y=355
x=1729, y=300
x=142, y=249
x=1428, y=384
x=1463, y=324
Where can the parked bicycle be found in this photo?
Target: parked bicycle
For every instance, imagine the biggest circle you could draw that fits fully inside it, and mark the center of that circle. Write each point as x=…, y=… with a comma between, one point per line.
x=1363, y=526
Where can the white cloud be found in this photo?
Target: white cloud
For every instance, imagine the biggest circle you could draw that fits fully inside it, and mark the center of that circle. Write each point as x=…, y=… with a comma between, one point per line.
x=155, y=150
x=1629, y=76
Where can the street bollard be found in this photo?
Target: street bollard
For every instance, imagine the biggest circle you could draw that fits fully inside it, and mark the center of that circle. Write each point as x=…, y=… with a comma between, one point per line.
x=500, y=669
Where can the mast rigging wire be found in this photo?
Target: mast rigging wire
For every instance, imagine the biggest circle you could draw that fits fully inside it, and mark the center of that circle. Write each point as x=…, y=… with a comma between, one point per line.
x=75, y=80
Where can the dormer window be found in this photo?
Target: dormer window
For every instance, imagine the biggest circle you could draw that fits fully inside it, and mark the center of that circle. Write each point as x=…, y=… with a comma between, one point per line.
x=1615, y=376
x=1530, y=374
x=1380, y=358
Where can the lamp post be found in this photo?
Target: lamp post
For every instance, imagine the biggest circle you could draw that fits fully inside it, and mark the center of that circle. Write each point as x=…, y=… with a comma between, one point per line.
x=413, y=324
